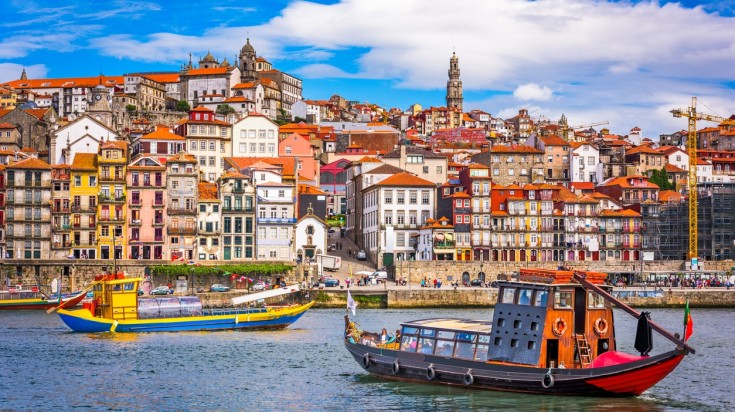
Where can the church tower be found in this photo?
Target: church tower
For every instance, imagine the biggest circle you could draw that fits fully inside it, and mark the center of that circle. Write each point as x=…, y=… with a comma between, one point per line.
x=247, y=63
x=98, y=106
x=454, y=84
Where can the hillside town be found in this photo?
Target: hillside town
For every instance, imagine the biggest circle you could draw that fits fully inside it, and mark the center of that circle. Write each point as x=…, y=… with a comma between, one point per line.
x=228, y=161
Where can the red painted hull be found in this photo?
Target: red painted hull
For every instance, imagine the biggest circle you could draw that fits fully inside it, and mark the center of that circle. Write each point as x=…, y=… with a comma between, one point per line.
x=637, y=381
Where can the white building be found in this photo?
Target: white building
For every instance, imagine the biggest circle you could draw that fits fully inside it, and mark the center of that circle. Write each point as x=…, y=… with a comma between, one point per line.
x=309, y=110
x=394, y=211
x=310, y=238
x=83, y=135
x=208, y=139
x=586, y=165
x=255, y=136
x=275, y=220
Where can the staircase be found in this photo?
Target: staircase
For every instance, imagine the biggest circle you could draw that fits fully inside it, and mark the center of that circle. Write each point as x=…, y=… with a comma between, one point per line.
x=583, y=348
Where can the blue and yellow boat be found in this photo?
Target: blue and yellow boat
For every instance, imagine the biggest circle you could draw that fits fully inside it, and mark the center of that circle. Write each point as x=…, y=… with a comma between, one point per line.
x=116, y=307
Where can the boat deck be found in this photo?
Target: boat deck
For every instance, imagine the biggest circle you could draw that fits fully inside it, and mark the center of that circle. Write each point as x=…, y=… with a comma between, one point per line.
x=465, y=325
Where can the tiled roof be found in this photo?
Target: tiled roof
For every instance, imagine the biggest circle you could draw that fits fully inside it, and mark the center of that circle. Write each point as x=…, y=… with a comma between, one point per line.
x=385, y=169
x=163, y=77
x=583, y=185
x=642, y=149
x=412, y=150
x=624, y=182
x=287, y=164
x=405, y=179
x=30, y=163
x=515, y=148
x=554, y=140
x=6, y=125
x=673, y=168
x=460, y=195
x=369, y=159
x=670, y=196
x=310, y=190
x=115, y=144
x=162, y=132
x=208, y=191
x=619, y=213
x=248, y=85
x=84, y=161
x=67, y=82
x=202, y=109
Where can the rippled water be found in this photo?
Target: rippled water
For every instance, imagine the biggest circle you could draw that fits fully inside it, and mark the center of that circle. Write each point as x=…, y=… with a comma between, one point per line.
x=43, y=366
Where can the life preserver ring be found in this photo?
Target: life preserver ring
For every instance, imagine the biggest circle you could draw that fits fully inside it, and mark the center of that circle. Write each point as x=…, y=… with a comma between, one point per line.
x=430, y=372
x=547, y=381
x=468, y=379
x=366, y=360
x=396, y=368
x=601, y=326
x=559, y=326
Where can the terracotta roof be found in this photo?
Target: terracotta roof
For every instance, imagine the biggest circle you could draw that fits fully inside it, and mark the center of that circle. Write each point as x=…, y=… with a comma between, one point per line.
x=619, y=213
x=237, y=99
x=287, y=164
x=385, y=169
x=586, y=199
x=515, y=148
x=554, y=140
x=201, y=109
x=30, y=163
x=248, y=85
x=311, y=190
x=369, y=159
x=84, y=161
x=460, y=195
x=67, y=82
x=673, y=168
x=702, y=162
x=670, y=196
x=6, y=125
x=208, y=191
x=163, y=77
x=583, y=185
x=405, y=179
x=209, y=71
x=642, y=149
x=183, y=157
x=624, y=182
x=115, y=144
x=162, y=132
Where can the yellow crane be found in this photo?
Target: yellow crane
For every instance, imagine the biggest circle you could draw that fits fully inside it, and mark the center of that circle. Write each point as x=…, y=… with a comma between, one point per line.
x=692, y=115
x=565, y=130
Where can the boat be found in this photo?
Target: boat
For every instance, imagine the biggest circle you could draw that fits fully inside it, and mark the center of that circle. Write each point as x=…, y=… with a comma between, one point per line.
x=552, y=332
x=117, y=307
x=20, y=298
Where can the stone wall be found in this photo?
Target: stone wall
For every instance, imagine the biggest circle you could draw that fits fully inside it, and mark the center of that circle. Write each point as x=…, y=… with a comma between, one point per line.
x=443, y=270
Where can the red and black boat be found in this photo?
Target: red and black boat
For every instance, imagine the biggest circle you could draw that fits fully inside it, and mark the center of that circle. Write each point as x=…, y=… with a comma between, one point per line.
x=552, y=332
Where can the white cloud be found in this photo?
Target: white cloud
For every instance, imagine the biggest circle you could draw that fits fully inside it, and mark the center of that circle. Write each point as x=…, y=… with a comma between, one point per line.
x=12, y=71
x=532, y=91
x=319, y=71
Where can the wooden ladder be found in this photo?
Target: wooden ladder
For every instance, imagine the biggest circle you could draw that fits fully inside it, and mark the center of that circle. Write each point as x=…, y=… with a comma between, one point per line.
x=583, y=347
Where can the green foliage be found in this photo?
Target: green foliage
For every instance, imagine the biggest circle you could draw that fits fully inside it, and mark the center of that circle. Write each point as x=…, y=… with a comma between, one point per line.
x=660, y=178
x=224, y=109
x=368, y=299
x=249, y=269
x=182, y=106
x=322, y=297
x=131, y=108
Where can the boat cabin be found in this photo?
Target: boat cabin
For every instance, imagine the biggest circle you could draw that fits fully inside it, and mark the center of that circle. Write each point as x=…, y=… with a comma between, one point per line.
x=17, y=293
x=544, y=319
x=115, y=297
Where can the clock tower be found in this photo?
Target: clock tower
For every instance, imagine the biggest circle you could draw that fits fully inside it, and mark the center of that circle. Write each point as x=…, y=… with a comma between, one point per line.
x=454, y=85
x=98, y=105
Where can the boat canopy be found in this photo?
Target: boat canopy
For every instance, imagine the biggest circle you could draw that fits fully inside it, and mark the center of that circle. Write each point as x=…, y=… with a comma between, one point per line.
x=252, y=297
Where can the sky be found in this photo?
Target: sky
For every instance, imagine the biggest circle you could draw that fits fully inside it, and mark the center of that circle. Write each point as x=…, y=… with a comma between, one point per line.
x=623, y=62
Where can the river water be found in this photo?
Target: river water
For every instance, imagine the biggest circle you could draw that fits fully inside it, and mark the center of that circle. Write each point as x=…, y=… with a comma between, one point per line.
x=43, y=366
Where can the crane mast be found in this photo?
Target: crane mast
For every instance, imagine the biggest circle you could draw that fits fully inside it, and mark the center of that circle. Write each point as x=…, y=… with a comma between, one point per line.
x=691, y=114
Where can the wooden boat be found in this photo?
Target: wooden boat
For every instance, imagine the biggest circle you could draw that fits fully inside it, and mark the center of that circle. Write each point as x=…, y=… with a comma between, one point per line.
x=552, y=332
x=19, y=298
x=118, y=308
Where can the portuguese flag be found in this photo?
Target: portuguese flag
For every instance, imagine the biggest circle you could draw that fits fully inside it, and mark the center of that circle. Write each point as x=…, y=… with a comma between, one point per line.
x=688, y=323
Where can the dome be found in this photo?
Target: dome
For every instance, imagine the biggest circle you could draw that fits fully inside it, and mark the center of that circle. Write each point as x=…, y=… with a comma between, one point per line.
x=208, y=58
x=248, y=48
x=224, y=63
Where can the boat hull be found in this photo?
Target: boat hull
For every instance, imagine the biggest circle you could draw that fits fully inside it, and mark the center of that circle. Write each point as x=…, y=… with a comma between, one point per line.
x=40, y=304
x=82, y=321
x=629, y=379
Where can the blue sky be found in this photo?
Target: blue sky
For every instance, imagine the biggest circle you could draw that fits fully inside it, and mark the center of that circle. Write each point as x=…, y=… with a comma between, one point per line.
x=627, y=62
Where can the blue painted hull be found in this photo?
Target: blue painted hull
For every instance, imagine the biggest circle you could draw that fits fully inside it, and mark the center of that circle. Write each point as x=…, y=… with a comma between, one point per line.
x=82, y=321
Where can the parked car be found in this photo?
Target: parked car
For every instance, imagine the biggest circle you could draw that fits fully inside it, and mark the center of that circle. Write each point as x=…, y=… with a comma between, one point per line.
x=218, y=287
x=331, y=282
x=162, y=290
x=361, y=255
x=259, y=286
x=380, y=275
x=476, y=282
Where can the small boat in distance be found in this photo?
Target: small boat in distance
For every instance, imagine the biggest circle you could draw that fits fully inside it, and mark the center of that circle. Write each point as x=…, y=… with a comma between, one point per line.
x=552, y=332
x=116, y=307
x=18, y=298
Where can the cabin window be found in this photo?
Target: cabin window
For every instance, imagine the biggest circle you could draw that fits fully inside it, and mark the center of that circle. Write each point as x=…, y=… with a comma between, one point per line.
x=483, y=343
x=129, y=287
x=408, y=343
x=465, y=346
x=426, y=346
x=524, y=297
x=595, y=301
x=563, y=300
x=540, y=300
x=508, y=295
x=444, y=347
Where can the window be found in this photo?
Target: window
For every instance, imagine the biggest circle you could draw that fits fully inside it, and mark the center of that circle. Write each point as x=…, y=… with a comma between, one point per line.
x=203, y=144
x=400, y=199
x=77, y=180
x=412, y=197
x=212, y=145
x=439, y=170
x=388, y=197
x=424, y=197
x=193, y=145
x=425, y=169
x=563, y=300
x=92, y=181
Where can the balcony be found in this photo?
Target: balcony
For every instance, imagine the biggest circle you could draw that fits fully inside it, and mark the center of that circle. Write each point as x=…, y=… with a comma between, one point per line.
x=182, y=231
x=62, y=227
x=135, y=222
x=158, y=204
x=447, y=244
x=262, y=220
x=136, y=203
x=61, y=245
x=111, y=178
x=84, y=243
x=157, y=222
x=119, y=218
x=181, y=211
x=61, y=210
x=103, y=198
x=209, y=232
x=84, y=209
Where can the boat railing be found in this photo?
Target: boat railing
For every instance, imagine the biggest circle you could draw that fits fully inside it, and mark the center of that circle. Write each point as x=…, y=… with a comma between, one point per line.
x=233, y=311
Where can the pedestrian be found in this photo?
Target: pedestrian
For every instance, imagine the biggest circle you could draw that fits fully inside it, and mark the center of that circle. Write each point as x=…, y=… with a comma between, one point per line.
x=347, y=281
x=349, y=252
x=434, y=283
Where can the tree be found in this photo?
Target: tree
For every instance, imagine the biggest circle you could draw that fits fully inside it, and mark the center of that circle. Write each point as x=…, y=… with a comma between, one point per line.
x=660, y=178
x=182, y=106
x=131, y=108
x=224, y=110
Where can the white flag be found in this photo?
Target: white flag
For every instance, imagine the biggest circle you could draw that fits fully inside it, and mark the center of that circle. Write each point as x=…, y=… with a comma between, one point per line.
x=351, y=304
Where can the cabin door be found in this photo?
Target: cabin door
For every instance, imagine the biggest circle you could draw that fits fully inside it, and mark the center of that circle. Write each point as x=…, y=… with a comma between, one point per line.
x=580, y=310
x=552, y=353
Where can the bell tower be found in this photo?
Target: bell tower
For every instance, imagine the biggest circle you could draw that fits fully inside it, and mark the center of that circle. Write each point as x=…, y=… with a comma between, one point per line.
x=98, y=106
x=454, y=84
x=247, y=63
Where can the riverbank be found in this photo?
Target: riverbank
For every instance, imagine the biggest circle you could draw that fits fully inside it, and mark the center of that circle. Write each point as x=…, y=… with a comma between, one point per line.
x=401, y=297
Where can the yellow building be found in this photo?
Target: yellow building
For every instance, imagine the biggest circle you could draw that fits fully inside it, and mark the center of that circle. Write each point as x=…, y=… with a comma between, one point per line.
x=112, y=160
x=83, y=190
x=8, y=97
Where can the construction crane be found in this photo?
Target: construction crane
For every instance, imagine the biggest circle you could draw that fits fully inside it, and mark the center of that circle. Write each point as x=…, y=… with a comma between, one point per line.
x=565, y=129
x=691, y=114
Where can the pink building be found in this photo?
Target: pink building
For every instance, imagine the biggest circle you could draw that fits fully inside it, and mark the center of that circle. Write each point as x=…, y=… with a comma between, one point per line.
x=299, y=147
x=146, y=182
